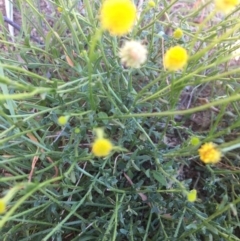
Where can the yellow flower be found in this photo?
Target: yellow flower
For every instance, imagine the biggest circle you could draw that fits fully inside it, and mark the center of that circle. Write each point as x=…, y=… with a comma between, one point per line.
x=209, y=153
x=226, y=6
x=118, y=16
x=101, y=147
x=2, y=206
x=175, y=58
x=133, y=54
x=178, y=33
x=192, y=195
x=62, y=120
x=151, y=4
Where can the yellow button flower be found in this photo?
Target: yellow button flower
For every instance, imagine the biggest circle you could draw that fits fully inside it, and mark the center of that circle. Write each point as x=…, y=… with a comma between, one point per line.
x=101, y=147
x=209, y=153
x=192, y=195
x=118, y=16
x=133, y=54
x=226, y=6
x=2, y=206
x=175, y=58
x=178, y=33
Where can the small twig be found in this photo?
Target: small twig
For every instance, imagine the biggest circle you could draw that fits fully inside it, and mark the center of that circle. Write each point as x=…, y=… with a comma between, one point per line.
x=59, y=135
x=13, y=24
x=34, y=161
x=191, y=95
x=115, y=164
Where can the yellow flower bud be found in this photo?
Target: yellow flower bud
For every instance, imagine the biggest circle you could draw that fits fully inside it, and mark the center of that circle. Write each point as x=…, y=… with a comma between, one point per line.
x=192, y=195
x=62, y=120
x=60, y=9
x=2, y=206
x=178, y=33
x=195, y=141
x=151, y=4
x=77, y=130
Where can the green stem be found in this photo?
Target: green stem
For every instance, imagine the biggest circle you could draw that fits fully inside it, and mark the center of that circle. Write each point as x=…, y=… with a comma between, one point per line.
x=177, y=112
x=24, y=198
x=93, y=44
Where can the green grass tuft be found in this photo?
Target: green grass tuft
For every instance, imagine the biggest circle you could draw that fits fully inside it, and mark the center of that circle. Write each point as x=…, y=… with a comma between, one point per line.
x=56, y=188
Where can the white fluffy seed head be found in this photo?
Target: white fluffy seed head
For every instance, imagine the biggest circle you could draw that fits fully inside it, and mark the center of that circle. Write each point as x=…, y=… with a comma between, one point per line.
x=133, y=54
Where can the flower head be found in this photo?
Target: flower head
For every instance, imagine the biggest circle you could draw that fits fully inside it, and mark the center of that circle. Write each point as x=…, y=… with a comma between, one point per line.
x=101, y=147
x=209, y=153
x=2, y=206
x=178, y=33
x=118, y=16
x=62, y=120
x=226, y=6
x=133, y=54
x=175, y=58
x=192, y=195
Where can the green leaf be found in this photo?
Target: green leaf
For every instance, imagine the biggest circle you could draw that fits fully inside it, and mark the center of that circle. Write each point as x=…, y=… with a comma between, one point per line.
x=160, y=178
x=103, y=115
